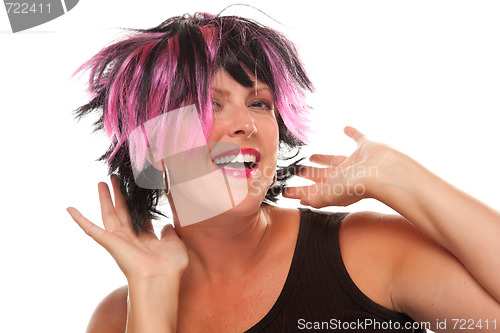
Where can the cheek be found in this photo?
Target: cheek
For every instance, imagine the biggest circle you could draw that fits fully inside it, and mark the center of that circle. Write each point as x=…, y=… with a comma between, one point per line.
x=216, y=132
x=271, y=134
x=269, y=142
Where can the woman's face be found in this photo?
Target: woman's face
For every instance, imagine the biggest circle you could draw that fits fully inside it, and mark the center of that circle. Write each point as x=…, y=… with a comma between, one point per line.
x=230, y=171
x=244, y=118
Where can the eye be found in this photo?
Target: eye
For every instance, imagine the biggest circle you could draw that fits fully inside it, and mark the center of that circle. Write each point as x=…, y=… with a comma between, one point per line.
x=261, y=105
x=216, y=106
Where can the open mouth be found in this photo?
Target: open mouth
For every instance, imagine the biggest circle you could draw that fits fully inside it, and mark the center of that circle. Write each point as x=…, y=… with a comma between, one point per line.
x=246, y=159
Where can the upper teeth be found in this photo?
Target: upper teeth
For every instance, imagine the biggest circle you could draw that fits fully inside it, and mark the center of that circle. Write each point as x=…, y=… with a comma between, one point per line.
x=235, y=158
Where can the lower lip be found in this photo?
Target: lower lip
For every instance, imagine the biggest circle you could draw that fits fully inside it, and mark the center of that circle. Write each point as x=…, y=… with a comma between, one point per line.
x=244, y=173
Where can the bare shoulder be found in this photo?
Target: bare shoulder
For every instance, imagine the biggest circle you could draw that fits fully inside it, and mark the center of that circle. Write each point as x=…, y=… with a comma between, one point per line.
x=379, y=229
x=374, y=247
x=110, y=316
x=381, y=232
x=397, y=266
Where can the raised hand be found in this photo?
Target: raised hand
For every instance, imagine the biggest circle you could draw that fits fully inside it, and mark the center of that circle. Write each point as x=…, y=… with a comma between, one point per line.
x=345, y=179
x=141, y=256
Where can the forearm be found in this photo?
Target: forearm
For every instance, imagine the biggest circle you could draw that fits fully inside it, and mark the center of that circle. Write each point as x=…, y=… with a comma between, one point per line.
x=152, y=305
x=465, y=226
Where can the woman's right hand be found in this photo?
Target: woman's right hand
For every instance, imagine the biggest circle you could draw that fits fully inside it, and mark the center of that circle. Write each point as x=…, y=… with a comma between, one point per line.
x=153, y=267
x=140, y=257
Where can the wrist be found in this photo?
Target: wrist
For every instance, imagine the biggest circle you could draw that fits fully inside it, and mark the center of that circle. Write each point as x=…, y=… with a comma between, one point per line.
x=153, y=304
x=156, y=270
x=145, y=282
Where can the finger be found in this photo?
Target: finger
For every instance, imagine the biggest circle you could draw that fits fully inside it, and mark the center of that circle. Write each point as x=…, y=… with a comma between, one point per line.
x=308, y=195
x=90, y=228
x=120, y=202
x=108, y=212
x=327, y=160
x=355, y=134
x=293, y=193
x=313, y=173
x=104, y=238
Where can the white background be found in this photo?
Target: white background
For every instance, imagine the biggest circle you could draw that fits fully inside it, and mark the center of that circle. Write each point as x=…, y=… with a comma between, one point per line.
x=423, y=76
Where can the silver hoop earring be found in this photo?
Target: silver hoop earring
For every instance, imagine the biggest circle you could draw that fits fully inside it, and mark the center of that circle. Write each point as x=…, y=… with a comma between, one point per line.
x=166, y=177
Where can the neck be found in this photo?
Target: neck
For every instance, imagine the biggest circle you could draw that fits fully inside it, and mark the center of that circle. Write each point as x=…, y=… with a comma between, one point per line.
x=226, y=245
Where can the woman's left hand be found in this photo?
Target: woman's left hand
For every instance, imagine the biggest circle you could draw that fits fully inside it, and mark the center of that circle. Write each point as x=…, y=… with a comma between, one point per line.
x=345, y=179
x=467, y=228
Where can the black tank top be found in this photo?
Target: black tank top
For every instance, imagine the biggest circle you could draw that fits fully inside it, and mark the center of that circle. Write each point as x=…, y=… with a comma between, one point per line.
x=318, y=294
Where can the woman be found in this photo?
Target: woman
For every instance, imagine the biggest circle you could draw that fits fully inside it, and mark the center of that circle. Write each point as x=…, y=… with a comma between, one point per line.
x=234, y=262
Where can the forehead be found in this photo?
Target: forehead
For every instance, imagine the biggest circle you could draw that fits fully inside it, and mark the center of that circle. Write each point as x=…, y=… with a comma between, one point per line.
x=222, y=81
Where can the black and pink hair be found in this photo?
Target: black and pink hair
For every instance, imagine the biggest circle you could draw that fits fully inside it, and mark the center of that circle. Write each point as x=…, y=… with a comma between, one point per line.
x=157, y=70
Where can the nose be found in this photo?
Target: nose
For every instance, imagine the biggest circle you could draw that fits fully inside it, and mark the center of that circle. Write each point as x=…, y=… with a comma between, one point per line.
x=242, y=124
